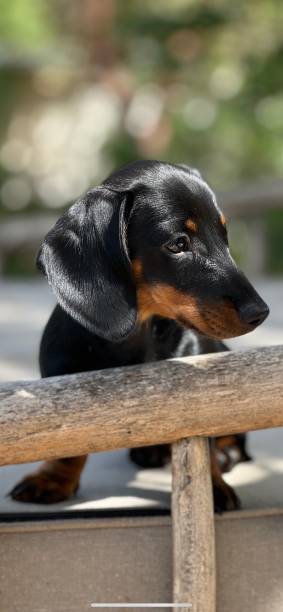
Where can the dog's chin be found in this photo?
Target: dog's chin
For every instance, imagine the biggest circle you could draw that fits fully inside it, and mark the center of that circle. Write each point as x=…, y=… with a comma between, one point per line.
x=215, y=333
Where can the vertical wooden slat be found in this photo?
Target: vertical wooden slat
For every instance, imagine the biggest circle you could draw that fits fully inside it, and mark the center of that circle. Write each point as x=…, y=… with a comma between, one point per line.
x=193, y=526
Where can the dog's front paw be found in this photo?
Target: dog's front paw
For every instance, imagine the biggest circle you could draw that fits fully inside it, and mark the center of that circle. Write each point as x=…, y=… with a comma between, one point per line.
x=225, y=498
x=43, y=489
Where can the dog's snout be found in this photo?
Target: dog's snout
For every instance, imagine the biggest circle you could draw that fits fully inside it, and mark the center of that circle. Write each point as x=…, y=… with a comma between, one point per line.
x=253, y=314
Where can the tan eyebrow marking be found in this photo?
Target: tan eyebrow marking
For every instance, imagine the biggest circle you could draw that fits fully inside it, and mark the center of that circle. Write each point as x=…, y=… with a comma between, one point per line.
x=222, y=219
x=191, y=225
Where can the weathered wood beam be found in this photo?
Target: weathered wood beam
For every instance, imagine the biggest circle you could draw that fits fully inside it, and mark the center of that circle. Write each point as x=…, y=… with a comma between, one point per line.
x=141, y=405
x=194, y=571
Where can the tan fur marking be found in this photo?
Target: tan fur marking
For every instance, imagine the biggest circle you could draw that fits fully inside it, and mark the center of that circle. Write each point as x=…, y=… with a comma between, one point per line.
x=137, y=270
x=216, y=320
x=224, y=441
x=191, y=225
x=222, y=219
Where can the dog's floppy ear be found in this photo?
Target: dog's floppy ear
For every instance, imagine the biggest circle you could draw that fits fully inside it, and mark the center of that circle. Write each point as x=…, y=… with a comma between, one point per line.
x=86, y=262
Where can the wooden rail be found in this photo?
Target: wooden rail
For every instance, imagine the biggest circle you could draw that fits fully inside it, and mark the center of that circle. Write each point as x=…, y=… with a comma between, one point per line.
x=169, y=401
x=141, y=405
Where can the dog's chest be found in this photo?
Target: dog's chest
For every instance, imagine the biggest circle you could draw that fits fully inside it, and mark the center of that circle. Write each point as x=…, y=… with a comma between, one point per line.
x=166, y=339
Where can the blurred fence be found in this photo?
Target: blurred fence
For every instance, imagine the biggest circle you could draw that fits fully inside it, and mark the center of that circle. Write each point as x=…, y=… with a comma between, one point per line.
x=248, y=202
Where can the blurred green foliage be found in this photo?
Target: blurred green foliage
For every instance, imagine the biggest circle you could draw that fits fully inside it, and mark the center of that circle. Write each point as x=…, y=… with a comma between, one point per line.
x=26, y=24
x=88, y=86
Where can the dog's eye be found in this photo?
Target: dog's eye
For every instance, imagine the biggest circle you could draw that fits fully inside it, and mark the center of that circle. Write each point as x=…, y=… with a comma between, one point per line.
x=179, y=245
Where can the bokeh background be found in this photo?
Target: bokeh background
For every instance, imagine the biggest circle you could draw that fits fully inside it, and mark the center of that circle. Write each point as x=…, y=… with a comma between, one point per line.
x=89, y=85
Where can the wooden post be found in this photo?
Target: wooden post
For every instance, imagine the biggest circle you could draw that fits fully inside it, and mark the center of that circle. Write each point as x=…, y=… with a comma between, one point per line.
x=194, y=579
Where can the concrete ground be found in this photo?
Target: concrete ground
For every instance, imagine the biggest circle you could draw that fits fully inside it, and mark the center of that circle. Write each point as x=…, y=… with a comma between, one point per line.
x=109, y=479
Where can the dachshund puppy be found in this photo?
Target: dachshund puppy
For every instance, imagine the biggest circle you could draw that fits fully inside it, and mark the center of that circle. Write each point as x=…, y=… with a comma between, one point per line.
x=142, y=271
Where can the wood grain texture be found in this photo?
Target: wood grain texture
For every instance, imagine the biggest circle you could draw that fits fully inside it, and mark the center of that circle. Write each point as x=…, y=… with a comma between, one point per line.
x=141, y=405
x=194, y=574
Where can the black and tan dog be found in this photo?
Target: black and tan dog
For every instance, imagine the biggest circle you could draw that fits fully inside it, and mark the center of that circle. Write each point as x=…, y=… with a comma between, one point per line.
x=142, y=271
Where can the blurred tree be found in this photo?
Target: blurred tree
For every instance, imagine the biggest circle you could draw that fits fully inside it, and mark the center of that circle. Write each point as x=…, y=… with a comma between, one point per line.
x=26, y=24
x=88, y=85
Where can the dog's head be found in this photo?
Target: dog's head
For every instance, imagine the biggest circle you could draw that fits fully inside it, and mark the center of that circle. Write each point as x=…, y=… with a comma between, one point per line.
x=150, y=241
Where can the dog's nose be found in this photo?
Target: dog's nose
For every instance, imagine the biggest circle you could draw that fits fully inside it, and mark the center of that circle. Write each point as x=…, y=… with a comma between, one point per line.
x=253, y=314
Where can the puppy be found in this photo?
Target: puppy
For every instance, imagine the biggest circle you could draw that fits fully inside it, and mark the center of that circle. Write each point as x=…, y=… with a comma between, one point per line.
x=142, y=271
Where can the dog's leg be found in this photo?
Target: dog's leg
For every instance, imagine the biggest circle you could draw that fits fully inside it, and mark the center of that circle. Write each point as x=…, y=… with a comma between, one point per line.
x=155, y=456
x=225, y=498
x=231, y=450
x=53, y=482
